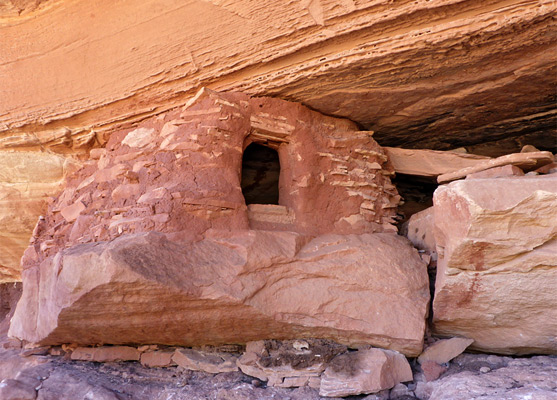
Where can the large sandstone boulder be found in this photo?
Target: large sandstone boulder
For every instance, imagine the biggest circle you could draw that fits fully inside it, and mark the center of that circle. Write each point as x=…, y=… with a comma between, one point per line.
x=228, y=288
x=497, y=263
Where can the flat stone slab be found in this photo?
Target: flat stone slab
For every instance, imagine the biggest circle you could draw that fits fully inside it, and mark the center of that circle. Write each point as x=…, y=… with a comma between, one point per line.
x=445, y=350
x=525, y=161
x=430, y=163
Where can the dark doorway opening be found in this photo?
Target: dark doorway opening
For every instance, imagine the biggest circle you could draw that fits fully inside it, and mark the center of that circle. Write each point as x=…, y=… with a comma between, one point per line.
x=260, y=175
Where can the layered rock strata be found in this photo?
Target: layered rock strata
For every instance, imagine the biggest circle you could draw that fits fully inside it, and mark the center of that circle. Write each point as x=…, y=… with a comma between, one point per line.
x=497, y=263
x=27, y=180
x=230, y=288
x=407, y=69
x=153, y=241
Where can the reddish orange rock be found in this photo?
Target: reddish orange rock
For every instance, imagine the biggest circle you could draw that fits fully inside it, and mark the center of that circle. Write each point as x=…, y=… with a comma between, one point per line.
x=157, y=359
x=165, y=249
x=444, y=350
x=497, y=172
x=106, y=354
x=333, y=178
x=432, y=370
x=230, y=288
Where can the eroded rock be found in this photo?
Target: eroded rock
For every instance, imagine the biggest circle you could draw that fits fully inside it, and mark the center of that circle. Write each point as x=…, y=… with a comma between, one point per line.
x=364, y=371
x=106, y=354
x=490, y=377
x=212, y=363
x=292, y=363
x=525, y=161
x=420, y=230
x=180, y=174
x=157, y=358
x=433, y=74
x=430, y=163
x=497, y=266
x=145, y=288
x=27, y=180
x=154, y=232
x=12, y=389
x=496, y=172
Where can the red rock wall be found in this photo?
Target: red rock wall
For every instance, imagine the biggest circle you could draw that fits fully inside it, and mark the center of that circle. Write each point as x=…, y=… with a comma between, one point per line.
x=180, y=173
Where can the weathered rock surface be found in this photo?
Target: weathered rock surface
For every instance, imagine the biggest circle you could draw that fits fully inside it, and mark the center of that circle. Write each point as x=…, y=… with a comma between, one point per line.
x=497, y=263
x=432, y=370
x=444, y=350
x=230, y=288
x=421, y=230
x=157, y=359
x=106, y=354
x=407, y=70
x=213, y=363
x=180, y=173
x=289, y=363
x=57, y=379
x=9, y=296
x=11, y=389
x=469, y=376
x=497, y=172
x=27, y=179
x=430, y=163
x=364, y=371
x=480, y=376
x=526, y=161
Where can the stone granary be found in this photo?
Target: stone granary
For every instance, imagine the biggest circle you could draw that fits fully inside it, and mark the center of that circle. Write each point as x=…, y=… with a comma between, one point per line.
x=153, y=241
x=161, y=241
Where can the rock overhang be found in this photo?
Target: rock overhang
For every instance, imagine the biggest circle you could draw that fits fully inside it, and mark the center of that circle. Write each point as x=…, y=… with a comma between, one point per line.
x=437, y=74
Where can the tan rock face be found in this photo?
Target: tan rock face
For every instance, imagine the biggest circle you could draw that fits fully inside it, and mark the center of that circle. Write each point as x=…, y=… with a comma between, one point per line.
x=430, y=163
x=144, y=288
x=27, y=179
x=497, y=267
x=408, y=70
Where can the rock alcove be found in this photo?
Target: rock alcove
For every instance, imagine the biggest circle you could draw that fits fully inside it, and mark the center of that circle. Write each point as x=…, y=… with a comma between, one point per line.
x=148, y=245
x=260, y=175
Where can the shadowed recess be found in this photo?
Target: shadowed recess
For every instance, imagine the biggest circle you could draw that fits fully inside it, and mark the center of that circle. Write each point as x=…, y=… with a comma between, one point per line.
x=260, y=175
